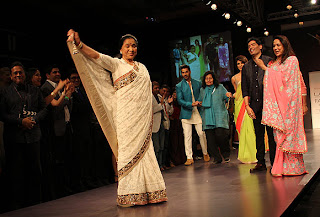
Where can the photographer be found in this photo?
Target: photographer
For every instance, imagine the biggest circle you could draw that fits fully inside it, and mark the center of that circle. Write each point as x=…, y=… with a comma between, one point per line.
x=23, y=108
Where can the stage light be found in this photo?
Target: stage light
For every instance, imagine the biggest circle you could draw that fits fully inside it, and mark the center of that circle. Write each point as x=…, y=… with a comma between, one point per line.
x=313, y=2
x=301, y=23
x=296, y=15
x=227, y=16
x=239, y=23
x=214, y=7
x=289, y=7
x=248, y=29
x=266, y=33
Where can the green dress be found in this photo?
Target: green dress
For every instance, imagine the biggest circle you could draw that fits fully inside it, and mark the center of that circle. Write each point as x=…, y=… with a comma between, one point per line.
x=244, y=125
x=201, y=60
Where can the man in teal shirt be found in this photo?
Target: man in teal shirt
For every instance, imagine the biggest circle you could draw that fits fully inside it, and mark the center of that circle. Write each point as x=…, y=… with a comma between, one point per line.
x=188, y=91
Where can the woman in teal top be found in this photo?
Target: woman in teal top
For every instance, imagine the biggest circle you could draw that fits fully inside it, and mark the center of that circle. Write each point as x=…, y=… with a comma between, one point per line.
x=215, y=118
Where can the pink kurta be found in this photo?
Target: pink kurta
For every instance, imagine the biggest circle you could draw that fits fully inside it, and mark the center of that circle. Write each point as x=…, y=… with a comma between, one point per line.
x=282, y=110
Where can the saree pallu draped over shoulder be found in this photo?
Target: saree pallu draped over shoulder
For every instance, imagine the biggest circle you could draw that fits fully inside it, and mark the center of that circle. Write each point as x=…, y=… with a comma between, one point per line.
x=282, y=110
x=125, y=116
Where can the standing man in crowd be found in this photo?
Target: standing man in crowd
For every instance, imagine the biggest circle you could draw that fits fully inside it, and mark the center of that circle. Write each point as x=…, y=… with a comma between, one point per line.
x=158, y=134
x=59, y=129
x=168, y=110
x=82, y=146
x=252, y=91
x=188, y=91
x=22, y=109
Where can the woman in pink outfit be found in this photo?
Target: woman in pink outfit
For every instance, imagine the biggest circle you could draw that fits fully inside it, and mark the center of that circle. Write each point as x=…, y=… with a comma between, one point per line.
x=284, y=105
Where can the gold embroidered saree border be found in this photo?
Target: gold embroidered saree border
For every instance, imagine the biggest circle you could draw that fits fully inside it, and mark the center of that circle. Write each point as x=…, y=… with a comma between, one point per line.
x=125, y=79
x=127, y=168
x=143, y=198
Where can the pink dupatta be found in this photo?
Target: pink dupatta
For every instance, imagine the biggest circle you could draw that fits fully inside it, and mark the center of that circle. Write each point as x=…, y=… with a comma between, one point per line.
x=282, y=105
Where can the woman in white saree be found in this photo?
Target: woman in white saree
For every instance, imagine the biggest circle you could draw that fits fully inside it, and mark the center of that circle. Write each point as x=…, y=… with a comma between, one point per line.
x=124, y=110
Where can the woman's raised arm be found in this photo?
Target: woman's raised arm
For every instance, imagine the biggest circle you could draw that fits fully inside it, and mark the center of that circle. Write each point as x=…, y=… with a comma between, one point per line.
x=86, y=50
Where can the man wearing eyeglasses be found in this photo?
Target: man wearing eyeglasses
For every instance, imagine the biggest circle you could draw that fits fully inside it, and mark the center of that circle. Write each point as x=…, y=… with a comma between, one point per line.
x=82, y=152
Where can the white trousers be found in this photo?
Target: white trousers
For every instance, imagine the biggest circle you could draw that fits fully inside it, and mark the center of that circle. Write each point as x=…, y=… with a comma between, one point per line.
x=187, y=132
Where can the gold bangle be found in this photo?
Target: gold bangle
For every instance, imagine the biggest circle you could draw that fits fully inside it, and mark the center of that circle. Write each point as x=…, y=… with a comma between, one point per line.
x=80, y=45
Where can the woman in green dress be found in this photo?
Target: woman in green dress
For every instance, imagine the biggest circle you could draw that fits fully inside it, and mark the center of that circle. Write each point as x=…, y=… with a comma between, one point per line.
x=244, y=124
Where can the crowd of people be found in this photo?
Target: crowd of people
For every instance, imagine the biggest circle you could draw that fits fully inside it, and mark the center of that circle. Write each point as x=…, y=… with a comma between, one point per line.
x=51, y=142
x=53, y=145
x=269, y=104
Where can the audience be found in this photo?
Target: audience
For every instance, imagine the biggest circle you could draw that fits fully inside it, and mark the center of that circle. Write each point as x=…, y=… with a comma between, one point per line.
x=59, y=130
x=176, y=148
x=168, y=110
x=158, y=133
x=22, y=109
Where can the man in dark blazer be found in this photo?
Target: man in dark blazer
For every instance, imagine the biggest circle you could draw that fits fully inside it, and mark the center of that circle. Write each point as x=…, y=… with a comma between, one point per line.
x=188, y=91
x=252, y=91
x=58, y=128
x=22, y=108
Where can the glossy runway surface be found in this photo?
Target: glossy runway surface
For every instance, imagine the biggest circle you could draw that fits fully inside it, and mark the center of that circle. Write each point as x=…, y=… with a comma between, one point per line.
x=202, y=189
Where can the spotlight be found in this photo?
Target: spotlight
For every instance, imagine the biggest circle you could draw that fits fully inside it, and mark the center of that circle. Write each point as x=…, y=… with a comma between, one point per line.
x=301, y=23
x=227, y=16
x=239, y=23
x=214, y=7
x=266, y=33
x=296, y=15
x=248, y=29
x=289, y=7
x=313, y=2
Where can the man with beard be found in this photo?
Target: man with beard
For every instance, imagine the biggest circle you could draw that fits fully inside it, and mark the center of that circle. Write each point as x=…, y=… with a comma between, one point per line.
x=188, y=91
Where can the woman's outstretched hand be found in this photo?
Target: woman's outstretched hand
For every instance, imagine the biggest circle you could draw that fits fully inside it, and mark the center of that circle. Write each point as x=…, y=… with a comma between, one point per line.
x=73, y=36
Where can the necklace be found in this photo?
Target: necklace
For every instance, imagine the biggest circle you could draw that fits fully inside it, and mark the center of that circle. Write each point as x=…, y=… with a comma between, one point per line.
x=130, y=63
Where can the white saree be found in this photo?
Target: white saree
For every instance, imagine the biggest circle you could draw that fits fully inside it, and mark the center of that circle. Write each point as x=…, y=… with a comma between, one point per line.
x=124, y=111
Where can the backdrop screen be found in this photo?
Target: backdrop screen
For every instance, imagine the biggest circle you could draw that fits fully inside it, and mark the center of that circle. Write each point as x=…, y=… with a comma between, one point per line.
x=212, y=52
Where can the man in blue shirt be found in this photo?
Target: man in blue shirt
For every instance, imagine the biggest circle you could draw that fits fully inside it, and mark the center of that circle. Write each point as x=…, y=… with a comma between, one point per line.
x=188, y=91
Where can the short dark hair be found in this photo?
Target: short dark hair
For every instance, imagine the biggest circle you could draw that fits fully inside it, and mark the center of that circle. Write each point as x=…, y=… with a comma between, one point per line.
x=257, y=40
x=17, y=63
x=215, y=80
x=50, y=67
x=72, y=71
x=165, y=86
x=184, y=66
x=155, y=83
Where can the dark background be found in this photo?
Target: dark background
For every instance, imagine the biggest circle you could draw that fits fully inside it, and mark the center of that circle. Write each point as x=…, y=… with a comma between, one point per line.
x=34, y=32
